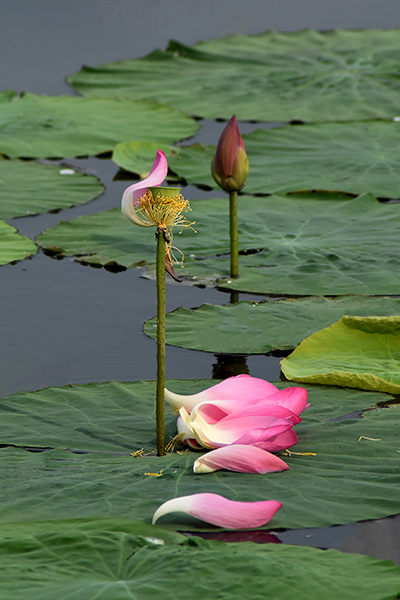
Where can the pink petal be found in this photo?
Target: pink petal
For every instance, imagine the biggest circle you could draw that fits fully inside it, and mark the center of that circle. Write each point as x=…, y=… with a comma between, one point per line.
x=293, y=398
x=244, y=459
x=237, y=431
x=245, y=388
x=155, y=178
x=263, y=409
x=186, y=435
x=284, y=440
x=220, y=511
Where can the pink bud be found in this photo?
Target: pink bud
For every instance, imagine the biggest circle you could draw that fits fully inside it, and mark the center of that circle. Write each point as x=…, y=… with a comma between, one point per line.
x=230, y=165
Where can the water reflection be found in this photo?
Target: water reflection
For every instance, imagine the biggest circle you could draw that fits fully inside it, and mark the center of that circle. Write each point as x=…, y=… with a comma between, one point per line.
x=228, y=365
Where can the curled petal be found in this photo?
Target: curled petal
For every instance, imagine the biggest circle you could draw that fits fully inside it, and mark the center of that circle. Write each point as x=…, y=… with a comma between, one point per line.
x=245, y=388
x=293, y=398
x=263, y=409
x=244, y=459
x=237, y=431
x=220, y=511
x=186, y=435
x=284, y=440
x=155, y=178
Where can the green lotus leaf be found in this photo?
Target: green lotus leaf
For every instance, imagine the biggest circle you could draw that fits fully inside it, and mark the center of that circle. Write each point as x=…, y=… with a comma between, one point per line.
x=345, y=157
x=14, y=246
x=86, y=470
x=358, y=352
x=306, y=244
x=124, y=560
x=138, y=156
x=28, y=188
x=54, y=126
x=258, y=328
x=335, y=75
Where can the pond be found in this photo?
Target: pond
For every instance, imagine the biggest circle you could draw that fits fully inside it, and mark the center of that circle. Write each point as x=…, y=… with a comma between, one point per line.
x=64, y=323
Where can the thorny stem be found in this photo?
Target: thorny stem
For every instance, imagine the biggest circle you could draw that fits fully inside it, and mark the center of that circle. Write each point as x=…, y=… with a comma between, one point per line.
x=160, y=276
x=233, y=232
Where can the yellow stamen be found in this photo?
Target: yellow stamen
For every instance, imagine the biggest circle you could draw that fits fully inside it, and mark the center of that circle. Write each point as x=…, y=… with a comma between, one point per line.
x=367, y=438
x=138, y=453
x=163, y=212
x=176, y=440
x=154, y=474
x=289, y=453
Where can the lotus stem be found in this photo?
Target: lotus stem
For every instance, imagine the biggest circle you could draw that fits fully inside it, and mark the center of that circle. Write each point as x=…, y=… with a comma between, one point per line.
x=233, y=232
x=160, y=277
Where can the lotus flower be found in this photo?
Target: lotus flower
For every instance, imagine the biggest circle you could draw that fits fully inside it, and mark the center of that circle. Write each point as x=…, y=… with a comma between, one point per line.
x=230, y=165
x=240, y=411
x=220, y=511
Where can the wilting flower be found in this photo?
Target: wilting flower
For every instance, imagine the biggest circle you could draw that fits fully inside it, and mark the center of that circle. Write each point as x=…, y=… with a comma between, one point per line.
x=220, y=511
x=240, y=411
x=230, y=165
x=146, y=206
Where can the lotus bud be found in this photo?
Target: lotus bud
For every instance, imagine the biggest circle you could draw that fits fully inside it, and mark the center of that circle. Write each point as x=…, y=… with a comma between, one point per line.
x=230, y=165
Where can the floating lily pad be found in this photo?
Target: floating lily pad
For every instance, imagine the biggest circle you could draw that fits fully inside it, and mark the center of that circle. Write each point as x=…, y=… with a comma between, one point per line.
x=344, y=157
x=121, y=560
x=335, y=75
x=293, y=245
x=257, y=328
x=14, y=246
x=51, y=126
x=28, y=188
x=358, y=352
x=104, y=423
x=138, y=157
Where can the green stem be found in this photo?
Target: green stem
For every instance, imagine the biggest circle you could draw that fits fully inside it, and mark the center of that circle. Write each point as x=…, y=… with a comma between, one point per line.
x=233, y=232
x=160, y=343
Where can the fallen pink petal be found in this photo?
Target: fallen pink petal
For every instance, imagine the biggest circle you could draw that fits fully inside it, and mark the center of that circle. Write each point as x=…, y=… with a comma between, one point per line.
x=220, y=511
x=240, y=458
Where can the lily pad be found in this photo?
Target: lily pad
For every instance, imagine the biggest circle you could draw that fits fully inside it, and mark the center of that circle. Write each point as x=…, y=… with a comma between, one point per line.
x=102, y=424
x=14, y=246
x=358, y=352
x=258, y=328
x=307, y=75
x=118, y=561
x=308, y=244
x=29, y=188
x=345, y=157
x=57, y=126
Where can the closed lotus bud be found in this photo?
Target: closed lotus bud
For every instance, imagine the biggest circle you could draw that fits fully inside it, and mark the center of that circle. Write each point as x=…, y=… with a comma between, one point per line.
x=230, y=165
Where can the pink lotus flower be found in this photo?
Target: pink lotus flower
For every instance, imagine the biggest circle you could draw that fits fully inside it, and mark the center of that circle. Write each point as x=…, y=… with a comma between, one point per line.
x=230, y=165
x=240, y=411
x=220, y=511
x=132, y=194
x=244, y=459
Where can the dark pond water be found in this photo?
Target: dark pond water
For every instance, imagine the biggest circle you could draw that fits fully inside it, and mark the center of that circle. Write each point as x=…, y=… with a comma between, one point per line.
x=64, y=323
